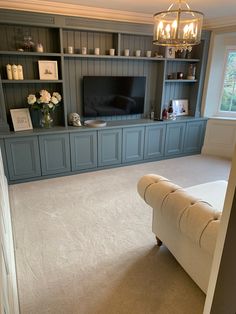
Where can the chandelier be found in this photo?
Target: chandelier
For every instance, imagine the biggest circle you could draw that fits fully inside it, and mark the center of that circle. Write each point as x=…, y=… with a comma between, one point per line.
x=179, y=26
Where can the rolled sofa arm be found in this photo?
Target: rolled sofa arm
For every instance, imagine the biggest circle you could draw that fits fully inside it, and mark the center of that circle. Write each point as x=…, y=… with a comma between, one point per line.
x=193, y=217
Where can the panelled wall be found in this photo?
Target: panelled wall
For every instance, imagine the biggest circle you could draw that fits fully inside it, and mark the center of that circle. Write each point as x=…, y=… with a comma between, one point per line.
x=43, y=153
x=77, y=68
x=57, y=33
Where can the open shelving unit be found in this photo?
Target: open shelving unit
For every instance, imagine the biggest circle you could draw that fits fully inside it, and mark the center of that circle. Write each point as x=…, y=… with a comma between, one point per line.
x=56, y=37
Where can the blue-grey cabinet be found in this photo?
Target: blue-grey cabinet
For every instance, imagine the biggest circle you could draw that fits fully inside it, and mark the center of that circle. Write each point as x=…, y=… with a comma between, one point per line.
x=109, y=147
x=23, y=157
x=174, y=143
x=154, y=141
x=133, y=144
x=54, y=153
x=83, y=148
x=194, y=136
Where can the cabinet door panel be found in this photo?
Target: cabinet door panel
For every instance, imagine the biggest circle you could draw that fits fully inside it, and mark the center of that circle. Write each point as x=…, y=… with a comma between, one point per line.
x=133, y=142
x=23, y=157
x=109, y=147
x=54, y=153
x=154, y=141
x=194, y=137
x=174, y=139
x=83, y=150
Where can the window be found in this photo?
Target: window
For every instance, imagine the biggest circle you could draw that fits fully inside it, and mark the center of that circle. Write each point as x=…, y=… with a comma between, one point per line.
x=227, y=106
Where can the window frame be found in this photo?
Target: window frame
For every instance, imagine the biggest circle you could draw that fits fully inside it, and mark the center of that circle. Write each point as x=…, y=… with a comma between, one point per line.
x=221, y=113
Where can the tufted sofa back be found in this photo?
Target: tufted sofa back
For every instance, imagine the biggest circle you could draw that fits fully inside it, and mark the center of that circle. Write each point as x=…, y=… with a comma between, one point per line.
x=195, y=218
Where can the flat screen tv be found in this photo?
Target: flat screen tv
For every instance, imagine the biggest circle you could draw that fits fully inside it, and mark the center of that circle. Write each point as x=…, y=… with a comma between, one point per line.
x=113, y=95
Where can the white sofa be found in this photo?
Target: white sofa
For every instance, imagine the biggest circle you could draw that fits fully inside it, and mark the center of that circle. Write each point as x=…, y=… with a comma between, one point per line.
x=186, y=221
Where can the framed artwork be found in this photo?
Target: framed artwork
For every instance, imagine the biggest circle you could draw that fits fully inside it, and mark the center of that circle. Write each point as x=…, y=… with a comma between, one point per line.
x=180, y=107
x=48, y=70
x=170, y=52
x=21, y=119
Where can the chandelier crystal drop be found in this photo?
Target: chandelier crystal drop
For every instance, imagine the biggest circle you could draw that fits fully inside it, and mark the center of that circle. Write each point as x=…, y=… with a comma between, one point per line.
x=178, y=27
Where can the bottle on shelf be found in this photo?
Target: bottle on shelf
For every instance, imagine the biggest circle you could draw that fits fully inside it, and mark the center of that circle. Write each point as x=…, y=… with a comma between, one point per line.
x=20, y=72
x=164, y=114
x=9, y=72
x=14, y=72
x=171, y=114
x=191, y=72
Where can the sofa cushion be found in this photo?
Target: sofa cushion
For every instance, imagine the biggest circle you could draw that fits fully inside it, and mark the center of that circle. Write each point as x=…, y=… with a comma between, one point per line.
x=208, y=191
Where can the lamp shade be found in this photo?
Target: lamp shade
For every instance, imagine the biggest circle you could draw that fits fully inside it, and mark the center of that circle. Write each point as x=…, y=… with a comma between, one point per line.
x=178, y=28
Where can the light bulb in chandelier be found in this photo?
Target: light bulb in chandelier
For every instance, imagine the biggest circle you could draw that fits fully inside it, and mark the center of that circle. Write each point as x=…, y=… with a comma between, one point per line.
x=178, y=27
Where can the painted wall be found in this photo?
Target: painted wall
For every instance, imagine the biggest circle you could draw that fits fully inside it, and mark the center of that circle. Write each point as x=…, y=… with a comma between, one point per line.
x=220, y=137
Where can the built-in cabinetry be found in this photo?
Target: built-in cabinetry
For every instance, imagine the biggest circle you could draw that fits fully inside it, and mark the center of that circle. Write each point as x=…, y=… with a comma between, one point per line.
x=23, y=158
x=57, y=33
x=133, y=144
x=154, y=142
x=61, y=150
x=83, y=150
x=109, y=147
x=68, y=150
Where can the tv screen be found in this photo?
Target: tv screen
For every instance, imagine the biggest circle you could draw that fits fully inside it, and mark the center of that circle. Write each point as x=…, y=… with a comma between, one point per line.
x=113, y=95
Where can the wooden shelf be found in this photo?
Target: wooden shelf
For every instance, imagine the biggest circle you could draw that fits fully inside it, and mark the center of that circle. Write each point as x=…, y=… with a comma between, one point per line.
x=182, y=60
x=30, y=81
x=88, y=56
x=180, y=81
x=27, y=53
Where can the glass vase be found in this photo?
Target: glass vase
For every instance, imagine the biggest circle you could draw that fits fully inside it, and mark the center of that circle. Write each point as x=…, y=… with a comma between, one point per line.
x=46, y=120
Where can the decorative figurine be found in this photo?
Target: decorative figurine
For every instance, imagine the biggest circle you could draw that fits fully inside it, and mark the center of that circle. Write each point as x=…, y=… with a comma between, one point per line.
x=74, y=119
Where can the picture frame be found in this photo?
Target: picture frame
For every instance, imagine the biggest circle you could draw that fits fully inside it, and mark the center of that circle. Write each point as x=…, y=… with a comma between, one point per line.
x=48, y=70
x=21, y=119
x=170, y=52
x=180, y=107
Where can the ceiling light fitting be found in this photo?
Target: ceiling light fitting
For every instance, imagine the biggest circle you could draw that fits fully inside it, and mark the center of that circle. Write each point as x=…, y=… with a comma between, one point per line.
x=178, y=27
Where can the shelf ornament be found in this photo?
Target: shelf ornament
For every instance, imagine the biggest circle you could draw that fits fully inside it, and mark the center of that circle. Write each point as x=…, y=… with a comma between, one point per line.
x=46, y=103
x=178, y=27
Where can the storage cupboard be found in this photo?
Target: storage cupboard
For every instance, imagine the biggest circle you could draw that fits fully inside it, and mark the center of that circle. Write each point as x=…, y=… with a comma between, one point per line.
x=127, y=139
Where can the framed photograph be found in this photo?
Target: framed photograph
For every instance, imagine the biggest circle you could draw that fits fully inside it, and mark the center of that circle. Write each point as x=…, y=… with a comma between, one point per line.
x=170, y=52
x=21, y=119
x=180, y=107
x=48, y=70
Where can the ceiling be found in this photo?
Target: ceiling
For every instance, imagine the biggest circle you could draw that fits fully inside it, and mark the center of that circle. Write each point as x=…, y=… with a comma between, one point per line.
x=217, y=12
x=211, y=8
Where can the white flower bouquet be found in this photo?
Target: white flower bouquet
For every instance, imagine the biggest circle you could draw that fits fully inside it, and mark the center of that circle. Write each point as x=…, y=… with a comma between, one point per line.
x=44, y=101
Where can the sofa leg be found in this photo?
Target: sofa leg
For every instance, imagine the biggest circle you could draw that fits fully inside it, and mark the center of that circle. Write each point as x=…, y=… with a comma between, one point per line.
x=159, y=242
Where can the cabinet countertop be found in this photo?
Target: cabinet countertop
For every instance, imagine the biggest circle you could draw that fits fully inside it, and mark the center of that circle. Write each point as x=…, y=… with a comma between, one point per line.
x=110, y=124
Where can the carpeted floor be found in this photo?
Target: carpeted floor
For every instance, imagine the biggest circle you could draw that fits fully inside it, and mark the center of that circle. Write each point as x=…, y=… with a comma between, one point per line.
x=84, y=243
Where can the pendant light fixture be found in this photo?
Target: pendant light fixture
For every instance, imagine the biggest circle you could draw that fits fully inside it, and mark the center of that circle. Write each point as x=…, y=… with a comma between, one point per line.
x=178, y=27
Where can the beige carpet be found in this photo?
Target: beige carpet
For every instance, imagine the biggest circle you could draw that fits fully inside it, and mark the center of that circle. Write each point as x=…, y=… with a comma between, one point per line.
x=84, y=243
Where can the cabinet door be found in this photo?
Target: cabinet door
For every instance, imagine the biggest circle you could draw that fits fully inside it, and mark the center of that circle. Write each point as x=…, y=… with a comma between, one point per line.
x=133, y=142
x=83, y=150
x=154, y=141
x=109, y=147
x=23, y=157
x=54, y=153
x=174, y=139
x=194, y=136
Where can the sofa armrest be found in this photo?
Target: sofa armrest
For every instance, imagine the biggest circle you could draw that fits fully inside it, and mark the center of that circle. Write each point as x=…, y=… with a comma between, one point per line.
x=191, y=216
